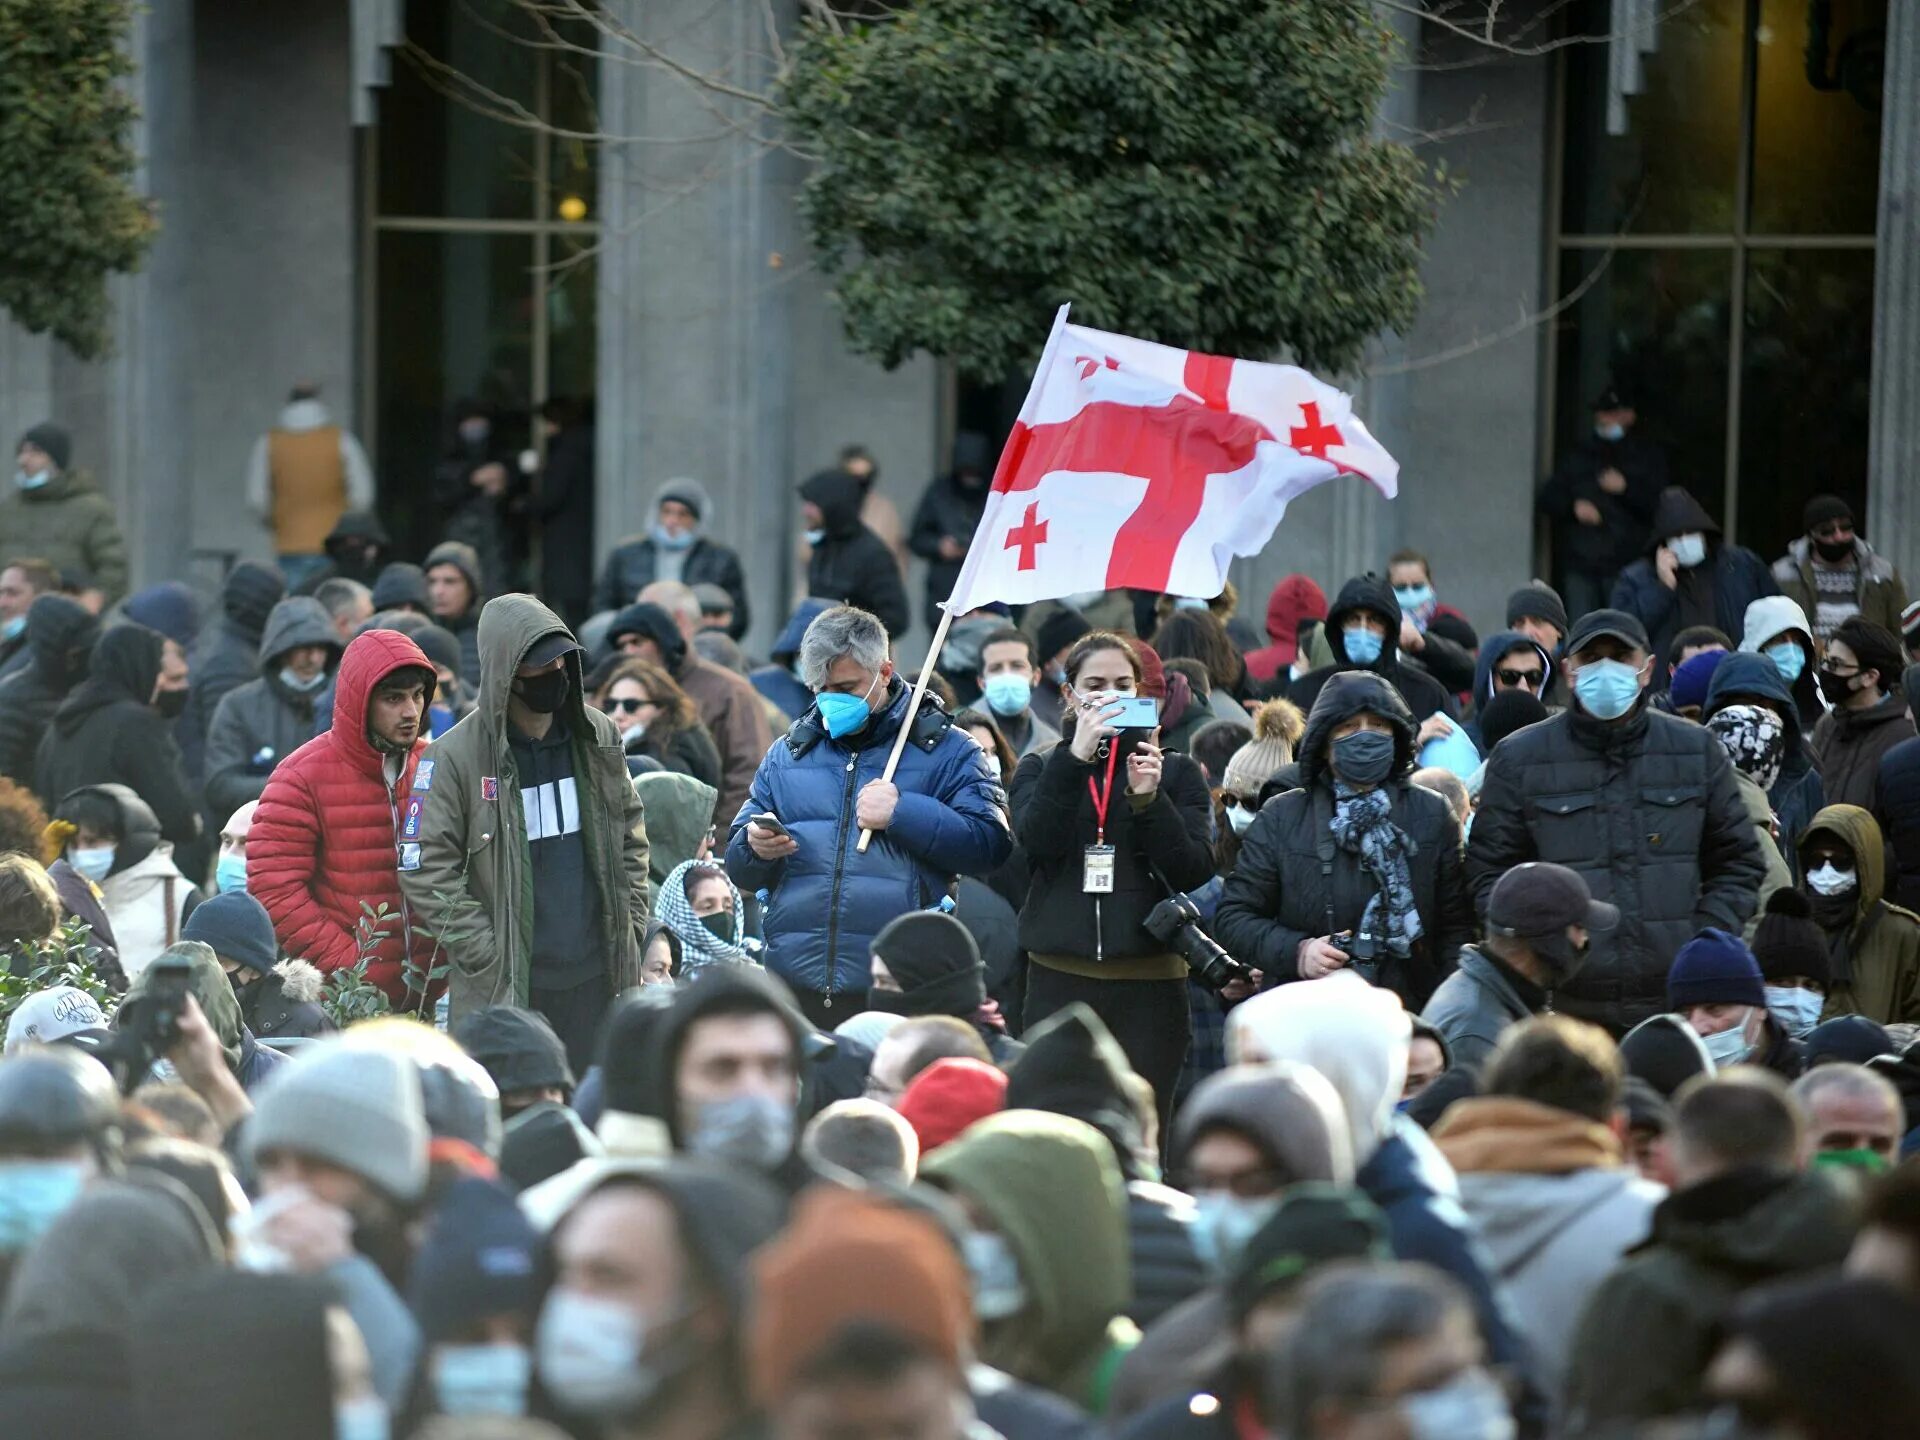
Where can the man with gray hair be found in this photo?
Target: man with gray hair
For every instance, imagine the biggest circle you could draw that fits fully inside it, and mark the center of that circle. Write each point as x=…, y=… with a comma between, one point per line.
x=797, y=835
x=1854, y=1117
x=348, y=604
x=864, y=1139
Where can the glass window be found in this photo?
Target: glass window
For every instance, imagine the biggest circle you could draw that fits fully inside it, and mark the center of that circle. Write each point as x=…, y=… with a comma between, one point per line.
x=1816, y=134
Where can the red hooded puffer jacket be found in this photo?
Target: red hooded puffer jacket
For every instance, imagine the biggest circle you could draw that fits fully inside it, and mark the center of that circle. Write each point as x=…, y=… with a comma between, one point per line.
x=1294, y=599
x=324, y=838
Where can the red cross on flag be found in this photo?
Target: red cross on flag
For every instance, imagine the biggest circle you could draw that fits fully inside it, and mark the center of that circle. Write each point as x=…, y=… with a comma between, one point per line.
x=1133, y=464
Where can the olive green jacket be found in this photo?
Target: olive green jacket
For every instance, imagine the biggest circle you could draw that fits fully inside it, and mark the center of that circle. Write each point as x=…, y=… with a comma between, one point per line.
x=69, y=524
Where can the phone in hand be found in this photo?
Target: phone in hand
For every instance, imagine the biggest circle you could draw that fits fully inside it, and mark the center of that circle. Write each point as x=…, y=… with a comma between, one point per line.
x=1137, y=712
x=768, y=821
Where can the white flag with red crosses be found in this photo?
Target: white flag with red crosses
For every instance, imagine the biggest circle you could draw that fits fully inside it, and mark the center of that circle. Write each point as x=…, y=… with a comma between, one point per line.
x=1134, y=464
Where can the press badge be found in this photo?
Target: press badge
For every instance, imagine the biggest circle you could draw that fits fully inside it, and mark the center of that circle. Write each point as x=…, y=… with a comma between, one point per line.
x=1098, y=874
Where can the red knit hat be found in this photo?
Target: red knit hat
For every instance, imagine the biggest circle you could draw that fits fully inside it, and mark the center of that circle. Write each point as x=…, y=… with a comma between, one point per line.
x=1153, y=675
x=948, y=1096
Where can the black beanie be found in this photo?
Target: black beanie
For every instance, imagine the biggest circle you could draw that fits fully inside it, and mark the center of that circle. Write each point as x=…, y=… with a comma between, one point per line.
x=1073, y=1066
x=934, y=959
x=1664, y=1052
x=441, y=646
x=1538, y=601
x=1506, y=712
x=1059, y=630
x=52, y=439
x=1787, y=942
x=235, y=926
x=401, y=584
x=1824, y=508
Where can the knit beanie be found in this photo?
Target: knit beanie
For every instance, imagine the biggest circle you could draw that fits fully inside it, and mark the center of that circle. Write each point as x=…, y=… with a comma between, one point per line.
x=1787, y=942
x=689, y=492
x=1506, y=712
x=1910, y=623
x=479, y=1259
x=1714, y=968
x=356, y=1108
x=934, y=959
x=235, y=926
x=1277, y=727
x=51, y=438
x=846, y=1260
x=249, y=593
x=1664, y=1051
x=517, y=1047
x=1060, y=629
x=1688, y=689
x=1853, y=1039
x=1823, y=509
x=1153, y=674
x=441, y=647
x=948, y=1096
x=463, y=557
x=169, y=608
x=1314, y=1225
x=1538, y=601
x=400, y=584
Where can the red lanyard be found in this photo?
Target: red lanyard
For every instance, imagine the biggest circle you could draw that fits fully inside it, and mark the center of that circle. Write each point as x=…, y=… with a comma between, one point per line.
x=1102, y=799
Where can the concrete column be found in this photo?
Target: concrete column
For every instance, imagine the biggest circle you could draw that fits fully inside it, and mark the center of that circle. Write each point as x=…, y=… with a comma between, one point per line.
x=1893, y=463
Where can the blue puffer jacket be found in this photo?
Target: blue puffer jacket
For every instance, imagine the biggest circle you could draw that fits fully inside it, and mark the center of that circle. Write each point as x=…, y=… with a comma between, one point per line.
x=1797, y=796
x=826, y=902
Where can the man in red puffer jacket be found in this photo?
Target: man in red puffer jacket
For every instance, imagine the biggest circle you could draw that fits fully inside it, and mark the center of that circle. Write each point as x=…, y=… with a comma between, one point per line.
x=342, y=813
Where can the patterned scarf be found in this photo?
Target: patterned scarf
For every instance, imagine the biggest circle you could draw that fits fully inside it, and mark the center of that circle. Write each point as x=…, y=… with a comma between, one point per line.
x=1363, y=825
x=1755, y=739
x=699, y=946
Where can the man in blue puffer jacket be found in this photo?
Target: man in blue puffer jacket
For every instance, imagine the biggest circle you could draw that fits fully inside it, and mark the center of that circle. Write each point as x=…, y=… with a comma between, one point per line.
x=942, y=815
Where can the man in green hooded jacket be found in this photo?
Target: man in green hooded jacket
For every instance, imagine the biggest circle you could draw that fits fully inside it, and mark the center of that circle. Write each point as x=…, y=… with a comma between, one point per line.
x=60, y=515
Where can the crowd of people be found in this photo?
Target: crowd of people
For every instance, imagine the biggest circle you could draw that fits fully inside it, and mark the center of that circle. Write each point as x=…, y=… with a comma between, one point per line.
x=434, y=1009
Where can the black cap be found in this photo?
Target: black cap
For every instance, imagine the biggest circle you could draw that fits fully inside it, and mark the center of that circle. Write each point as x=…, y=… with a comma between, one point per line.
x=1541, y=898
x=1617, y=623
x=549, y=648
x=1314, y=1225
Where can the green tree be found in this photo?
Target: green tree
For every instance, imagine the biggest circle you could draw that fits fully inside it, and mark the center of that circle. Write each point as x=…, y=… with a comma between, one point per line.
x=69, y=216
x=1198, y=172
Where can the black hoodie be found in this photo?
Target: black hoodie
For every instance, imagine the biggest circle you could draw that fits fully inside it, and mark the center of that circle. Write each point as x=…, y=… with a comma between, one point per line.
x=1424, y=695
x=60, y=636
x=227, y=654
x=1715, y=592
x=852, y=564
x=952, y=506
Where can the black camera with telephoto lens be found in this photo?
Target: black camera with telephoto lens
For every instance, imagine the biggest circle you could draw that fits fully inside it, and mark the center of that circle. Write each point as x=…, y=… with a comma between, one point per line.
x=1363, y=954
x=147, y=1027
x=1175, y=923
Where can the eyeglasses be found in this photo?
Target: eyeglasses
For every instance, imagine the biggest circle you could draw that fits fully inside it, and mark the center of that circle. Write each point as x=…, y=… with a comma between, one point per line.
x=1838, y=673
x=1528, y=678
x=628, y=707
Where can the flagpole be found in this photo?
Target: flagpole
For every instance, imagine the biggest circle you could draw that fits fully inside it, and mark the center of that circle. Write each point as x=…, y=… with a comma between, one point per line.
x=960, y=584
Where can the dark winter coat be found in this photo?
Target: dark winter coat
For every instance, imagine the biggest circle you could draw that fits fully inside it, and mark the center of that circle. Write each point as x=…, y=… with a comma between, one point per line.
x=69, y=524
x=106, y=732
x=1473, y=1007
x=1878, y=591
x=635, y=564
x=1600, y=550
x=1897, y=808
x=464, y=627
x=285, y=1003
x=1292, y=881
x=1053, y=817
x=355, y=525
x=826, y=902
x=60, y=636
x=263, y=721
x=1653, y=1326
x=1647, y=809
x=1733, y=575
x=1424, y=695
x=951, y=506
x=851, y=564
x=1849, y=745
x=1874, y=962
x=467, y=513
x=227, y=653
x=1799, y=794
x=564, y=508
x=686, y=751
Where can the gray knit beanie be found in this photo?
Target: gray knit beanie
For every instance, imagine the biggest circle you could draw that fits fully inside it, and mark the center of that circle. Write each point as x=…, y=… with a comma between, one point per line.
x=358, y=1109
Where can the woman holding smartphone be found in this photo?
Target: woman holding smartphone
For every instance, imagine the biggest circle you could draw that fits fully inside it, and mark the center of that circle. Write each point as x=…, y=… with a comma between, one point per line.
x=1111, y=824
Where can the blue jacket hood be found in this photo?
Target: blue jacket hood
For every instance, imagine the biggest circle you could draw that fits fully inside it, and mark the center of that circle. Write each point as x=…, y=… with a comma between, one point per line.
x=1743, y=673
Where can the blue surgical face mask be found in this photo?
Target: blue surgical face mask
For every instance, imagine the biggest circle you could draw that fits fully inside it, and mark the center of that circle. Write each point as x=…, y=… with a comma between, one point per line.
x=1790, y=659
x=362, y=1419
x=1607, y=689
x=31, y=482
x=1688, y=550
x=673, y=539
x=230, y=875
x=1007, y=694
x=1797, y=1009
x=1413, y=597
x=1363, y=645
x=1191, y=602
x=844, y=714
x=814, y=537
x=999, y=1291
x=302, y=684
x=94, y=862
x=1227, y=1223
x=482, y=1379
x=34, y=1194
x=1729, y=1047
x=14, y=628
x=1469, y=1407
x=1612, y=434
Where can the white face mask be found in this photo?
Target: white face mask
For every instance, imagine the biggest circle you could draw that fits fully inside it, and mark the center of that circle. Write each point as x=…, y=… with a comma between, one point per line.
x=1688, y=550
x=998, y=1290
x=482, y=1379
x=1227, y=1224
x=1796, y=1008
x=1830, y=880
x=1729, y=1047
x=1240, y=819
x=589, y=1354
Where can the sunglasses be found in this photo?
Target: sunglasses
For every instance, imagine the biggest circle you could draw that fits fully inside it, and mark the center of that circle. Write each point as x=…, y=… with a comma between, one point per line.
x=628, y=707
x=1233, y=801
x=1529, y=678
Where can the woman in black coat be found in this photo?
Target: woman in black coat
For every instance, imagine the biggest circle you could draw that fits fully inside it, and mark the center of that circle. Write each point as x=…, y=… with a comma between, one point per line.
x=1358, y=851
x=1094, y=880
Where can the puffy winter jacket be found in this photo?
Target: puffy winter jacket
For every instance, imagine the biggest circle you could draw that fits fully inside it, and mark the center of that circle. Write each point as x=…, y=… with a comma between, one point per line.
x=634, y=564
x=1647, y=809
x=826, y=902
x=1850, y=743
x=1874, y=963
x=227, y=654
x=324, y=840
x=258, y=724
x=1424, y=695
x=1897, y=808
x=60, y=637
x=1878, y=590
x=851, y=564
x=68, y=523
x=1798, y=795
x=1733, y=576
x=1292, y=881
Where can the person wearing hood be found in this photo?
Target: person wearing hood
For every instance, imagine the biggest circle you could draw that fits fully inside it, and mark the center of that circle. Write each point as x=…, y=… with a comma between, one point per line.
x=110, y=836
x=563, y=504
x=1296, y=605
x=1747, y=683
x=116, y=727
x=60, y=637
x=1358, y=868
x=1896, y=802
x=1755, y=739
x=304, y=474
x=1437, y=637
x=849, y=564
x=660, y=629
x=927, y=963
x=332, y=818
x=1859, y=677
x=940, y=816
x=1540, y=1162
x=1716, y=986
x=454, y=597
x=1509, y=660
x=1690, y=576
x=1046, y=1248
x=277, y=998
x=1676, y=848
x=227, y=653
x=679, y=811
x=676, y=548
x=778, y=681
x=1602, y=497
x=1777, y=628
x=1834, y=575
x=356, y=549
x=249, y=1062
x=531, y=866
x=21, y=583
x=1741, y=1213
x=1873, y=947
x=948, y=514
x=60, y=515
x=1540, y=922
x=471, y=482
x=1363, y=631
x=260, y=722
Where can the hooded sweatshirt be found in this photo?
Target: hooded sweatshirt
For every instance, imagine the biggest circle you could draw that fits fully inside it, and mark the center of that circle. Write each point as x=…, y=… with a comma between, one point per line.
x=1424, y=695
x=1770, y=618
x=260, y=722
x=227, y=654
x=1495, y=648
x=1798, y=795
x=1294, y=599
x=1715, y=592
x=146, y=897
x=1050, y=1186
x=60, y=639
x=679, y=812
x=1875, y=965
x=852, y=565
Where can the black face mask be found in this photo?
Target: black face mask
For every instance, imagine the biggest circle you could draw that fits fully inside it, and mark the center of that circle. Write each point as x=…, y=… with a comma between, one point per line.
x=887, y=1002
x=719, y=925
x=170, y=703
x=546, y=692
x=1837, y=688
x=1833, y=551
x=1835, y=912
x=1364, y=758
x=1561, y=957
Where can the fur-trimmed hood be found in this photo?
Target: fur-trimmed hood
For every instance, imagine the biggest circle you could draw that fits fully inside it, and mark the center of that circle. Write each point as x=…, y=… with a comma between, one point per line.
x=300, y=981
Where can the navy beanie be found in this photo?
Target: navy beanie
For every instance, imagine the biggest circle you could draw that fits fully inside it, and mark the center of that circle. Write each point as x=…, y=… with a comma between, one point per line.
x=480, y=1258
x=235, y=926
x=1714, y=968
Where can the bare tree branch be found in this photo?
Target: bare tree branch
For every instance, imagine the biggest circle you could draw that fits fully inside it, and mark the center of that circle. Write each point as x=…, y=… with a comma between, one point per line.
x=1529, y=320
x=1481, y=31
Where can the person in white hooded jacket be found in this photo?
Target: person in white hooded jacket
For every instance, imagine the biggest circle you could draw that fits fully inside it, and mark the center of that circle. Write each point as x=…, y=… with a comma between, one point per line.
x=1778, y=628
x=111, y=836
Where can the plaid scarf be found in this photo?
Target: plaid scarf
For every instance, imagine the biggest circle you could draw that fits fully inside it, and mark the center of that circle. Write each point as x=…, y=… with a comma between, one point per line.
x=699, y=946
